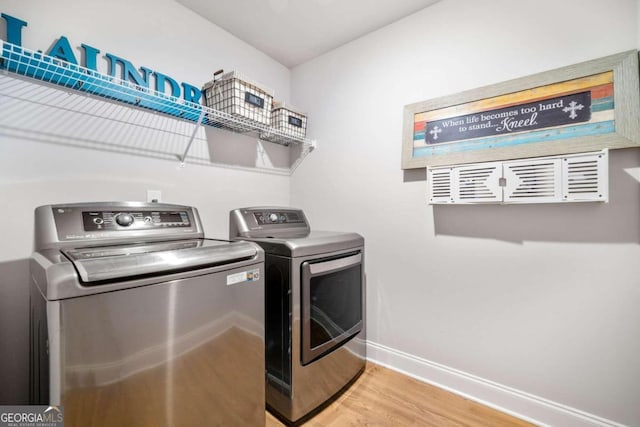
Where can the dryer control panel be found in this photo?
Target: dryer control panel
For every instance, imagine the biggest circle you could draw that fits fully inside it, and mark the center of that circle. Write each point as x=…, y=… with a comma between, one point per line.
x=268, y=222
x=278, y=217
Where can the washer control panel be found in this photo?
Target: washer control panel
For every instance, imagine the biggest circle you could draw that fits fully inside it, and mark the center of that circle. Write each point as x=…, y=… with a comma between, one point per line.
x=107, y=223
x=133, y=220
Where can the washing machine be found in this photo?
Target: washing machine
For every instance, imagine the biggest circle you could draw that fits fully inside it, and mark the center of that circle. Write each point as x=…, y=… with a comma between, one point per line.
x=314, y=306
x=137, y=319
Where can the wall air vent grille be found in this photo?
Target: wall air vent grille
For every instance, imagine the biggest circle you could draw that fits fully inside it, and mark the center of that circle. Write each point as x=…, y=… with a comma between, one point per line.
x=440, y=189
x=479, y=183
x=555, y=179
x=584, y=178
x=532, y=180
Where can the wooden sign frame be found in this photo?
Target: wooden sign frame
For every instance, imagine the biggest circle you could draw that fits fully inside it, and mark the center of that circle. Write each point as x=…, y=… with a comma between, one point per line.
x=578, y=108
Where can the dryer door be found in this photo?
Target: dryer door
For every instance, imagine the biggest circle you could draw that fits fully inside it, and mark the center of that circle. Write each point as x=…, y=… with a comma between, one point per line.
x=332, y=306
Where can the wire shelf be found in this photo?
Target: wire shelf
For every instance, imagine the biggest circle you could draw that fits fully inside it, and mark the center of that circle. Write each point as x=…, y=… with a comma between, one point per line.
x=74, y=78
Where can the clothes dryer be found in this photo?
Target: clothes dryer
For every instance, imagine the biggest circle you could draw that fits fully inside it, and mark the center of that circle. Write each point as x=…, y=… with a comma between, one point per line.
x=315, y=308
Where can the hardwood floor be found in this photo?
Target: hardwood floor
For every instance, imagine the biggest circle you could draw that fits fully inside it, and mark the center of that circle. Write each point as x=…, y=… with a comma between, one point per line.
x=382, y=397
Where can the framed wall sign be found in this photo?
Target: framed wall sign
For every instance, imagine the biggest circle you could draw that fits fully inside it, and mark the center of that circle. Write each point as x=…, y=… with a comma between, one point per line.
x=582, y=107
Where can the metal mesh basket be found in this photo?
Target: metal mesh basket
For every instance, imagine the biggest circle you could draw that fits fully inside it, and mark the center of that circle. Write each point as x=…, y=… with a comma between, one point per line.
x=234, y=94
x=290, y=122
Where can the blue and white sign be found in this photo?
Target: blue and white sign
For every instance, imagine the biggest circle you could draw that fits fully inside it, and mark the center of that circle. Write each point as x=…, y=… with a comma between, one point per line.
x=124, y=82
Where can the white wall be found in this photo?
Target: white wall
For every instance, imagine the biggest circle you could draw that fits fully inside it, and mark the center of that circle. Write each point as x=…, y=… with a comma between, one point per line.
x=539, y=298
x=166, y=37
x=542, y=300
x=163, y=36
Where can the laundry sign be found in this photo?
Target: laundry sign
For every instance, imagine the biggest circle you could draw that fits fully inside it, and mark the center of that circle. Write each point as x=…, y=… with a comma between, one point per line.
x=61, y=53
x=556, y=111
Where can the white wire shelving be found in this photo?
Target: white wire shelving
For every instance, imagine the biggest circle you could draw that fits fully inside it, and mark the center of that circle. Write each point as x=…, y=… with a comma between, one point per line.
x=84, y=98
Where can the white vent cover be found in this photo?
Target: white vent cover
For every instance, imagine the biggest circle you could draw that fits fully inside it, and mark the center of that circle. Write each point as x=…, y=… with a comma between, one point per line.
x=479, y=183
x=440, y=190
x=585, y=178
x=555, y=179
x=532, y=181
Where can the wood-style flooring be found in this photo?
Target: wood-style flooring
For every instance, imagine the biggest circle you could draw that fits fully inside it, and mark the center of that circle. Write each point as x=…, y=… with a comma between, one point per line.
x=382, y=397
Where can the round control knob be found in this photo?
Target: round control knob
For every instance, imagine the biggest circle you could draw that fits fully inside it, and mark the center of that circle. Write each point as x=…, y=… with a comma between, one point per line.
x=273, y=217
x=98, y=221
x=124, y=219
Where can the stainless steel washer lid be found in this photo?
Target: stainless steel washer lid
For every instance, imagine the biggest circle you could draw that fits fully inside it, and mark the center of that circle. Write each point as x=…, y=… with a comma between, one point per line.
x=316, y=243
x=109, y=263
x=57, y=274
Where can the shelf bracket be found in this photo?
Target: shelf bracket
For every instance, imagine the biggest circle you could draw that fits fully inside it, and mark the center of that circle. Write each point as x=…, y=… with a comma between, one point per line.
x=197, y=126
x=307, y=148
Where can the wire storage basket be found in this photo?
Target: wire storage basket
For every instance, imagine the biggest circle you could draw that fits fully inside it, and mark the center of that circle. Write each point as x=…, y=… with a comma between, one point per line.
x=288, y=120
x=234, y=94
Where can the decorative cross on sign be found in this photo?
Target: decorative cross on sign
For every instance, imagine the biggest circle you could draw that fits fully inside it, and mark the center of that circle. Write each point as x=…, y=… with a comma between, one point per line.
x=435, y=131
x=573, y=107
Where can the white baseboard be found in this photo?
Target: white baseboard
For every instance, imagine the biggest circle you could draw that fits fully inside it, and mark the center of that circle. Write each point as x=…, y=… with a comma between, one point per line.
x=522, y=405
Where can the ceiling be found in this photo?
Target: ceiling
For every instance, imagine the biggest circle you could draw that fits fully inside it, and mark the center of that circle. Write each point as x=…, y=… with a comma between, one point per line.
x=295, y=31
